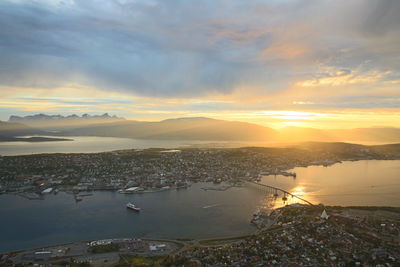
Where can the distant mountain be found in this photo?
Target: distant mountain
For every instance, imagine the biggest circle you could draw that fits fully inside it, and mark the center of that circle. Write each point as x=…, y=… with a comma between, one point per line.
x=42, y=116
x=57, y=122
x=362, y=135
x=219, y=130
x=298, y=134
x=181, y=129
x=11, y=129
x=381, y=134
x=195, y=128
x=34, y=139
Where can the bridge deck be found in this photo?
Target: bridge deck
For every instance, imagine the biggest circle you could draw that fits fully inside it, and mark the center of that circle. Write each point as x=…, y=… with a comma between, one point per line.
x=279, y=189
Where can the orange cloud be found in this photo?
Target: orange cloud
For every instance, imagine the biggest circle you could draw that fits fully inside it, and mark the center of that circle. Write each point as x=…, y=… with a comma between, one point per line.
x=285, y=51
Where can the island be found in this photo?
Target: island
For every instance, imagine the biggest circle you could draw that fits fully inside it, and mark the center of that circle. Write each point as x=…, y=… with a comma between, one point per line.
x=156, y=169
x=32, y=139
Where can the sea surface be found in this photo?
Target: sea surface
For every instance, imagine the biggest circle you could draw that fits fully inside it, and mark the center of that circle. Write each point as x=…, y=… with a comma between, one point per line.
x=94, y=144
x=350, y=183
x=83, y=144
x=188, y=213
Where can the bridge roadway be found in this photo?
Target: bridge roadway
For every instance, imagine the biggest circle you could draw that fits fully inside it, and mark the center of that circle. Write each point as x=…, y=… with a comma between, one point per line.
x=278, y=189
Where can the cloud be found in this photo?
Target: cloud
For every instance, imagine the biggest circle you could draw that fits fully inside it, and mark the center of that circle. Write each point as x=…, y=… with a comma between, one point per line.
x=186, y=49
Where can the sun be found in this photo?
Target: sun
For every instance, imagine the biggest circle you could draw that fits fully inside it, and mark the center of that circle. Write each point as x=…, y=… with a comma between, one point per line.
x=285, y=118
x=291, y=124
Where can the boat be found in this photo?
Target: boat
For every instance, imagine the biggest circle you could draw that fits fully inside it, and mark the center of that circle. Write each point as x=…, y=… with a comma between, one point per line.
x=132, y=207
x=85, y=195
x=210, y=206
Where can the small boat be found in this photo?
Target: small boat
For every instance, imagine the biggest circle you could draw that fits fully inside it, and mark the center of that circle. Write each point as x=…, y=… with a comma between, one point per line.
x=85, y=195
x=132, y=207
x=210, y=206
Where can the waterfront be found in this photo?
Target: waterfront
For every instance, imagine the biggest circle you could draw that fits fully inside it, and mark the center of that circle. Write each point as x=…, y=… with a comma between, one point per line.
x=187, y=213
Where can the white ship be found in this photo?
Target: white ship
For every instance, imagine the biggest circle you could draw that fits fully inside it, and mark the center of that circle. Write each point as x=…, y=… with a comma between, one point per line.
x=132, y=207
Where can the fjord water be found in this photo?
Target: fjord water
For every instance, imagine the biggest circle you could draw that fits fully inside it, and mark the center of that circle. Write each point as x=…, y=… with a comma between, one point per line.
x=182, y=213
x=188, y=213
x=83, y=144
x=350, y=183
x=95, y=144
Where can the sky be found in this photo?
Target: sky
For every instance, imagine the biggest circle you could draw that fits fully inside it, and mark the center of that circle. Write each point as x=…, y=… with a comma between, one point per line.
x=306, y=63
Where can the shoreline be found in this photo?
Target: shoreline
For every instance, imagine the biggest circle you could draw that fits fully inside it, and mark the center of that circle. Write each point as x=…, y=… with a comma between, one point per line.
x=33, y=139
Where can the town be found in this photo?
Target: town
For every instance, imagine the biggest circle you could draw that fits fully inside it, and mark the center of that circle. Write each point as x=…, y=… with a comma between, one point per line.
x=151, y=170
x=308, y=236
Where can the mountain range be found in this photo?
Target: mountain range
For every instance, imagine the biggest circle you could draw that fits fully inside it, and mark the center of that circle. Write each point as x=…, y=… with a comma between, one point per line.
x=57, y=122
x=179, y=129
x=195, y=128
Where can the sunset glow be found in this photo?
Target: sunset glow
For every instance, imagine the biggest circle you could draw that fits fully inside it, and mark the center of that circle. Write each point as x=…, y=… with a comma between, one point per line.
x=281, y=119
x=292, y=69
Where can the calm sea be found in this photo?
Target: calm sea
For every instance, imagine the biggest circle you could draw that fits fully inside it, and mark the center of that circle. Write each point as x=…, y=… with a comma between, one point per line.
x=93, y=144
x=85, y=144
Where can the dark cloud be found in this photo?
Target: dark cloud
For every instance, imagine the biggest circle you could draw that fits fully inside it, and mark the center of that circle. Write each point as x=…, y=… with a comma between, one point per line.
x=185, y=48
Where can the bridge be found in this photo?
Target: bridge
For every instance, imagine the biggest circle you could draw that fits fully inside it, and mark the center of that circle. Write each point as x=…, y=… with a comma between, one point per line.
x=275, y=190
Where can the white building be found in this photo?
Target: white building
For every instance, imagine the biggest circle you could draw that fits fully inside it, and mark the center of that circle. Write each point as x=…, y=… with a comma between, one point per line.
x=324, y=215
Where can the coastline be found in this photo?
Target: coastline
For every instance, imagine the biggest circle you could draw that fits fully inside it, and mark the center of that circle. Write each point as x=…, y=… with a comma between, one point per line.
x=33, y=139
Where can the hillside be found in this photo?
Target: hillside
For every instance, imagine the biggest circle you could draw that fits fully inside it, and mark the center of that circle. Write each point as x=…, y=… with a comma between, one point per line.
x=10, y=129
x=299, y=134
x=221, y=130
x=175, y=129
x=382, y=134
x=197, y=128
x=358, y=135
